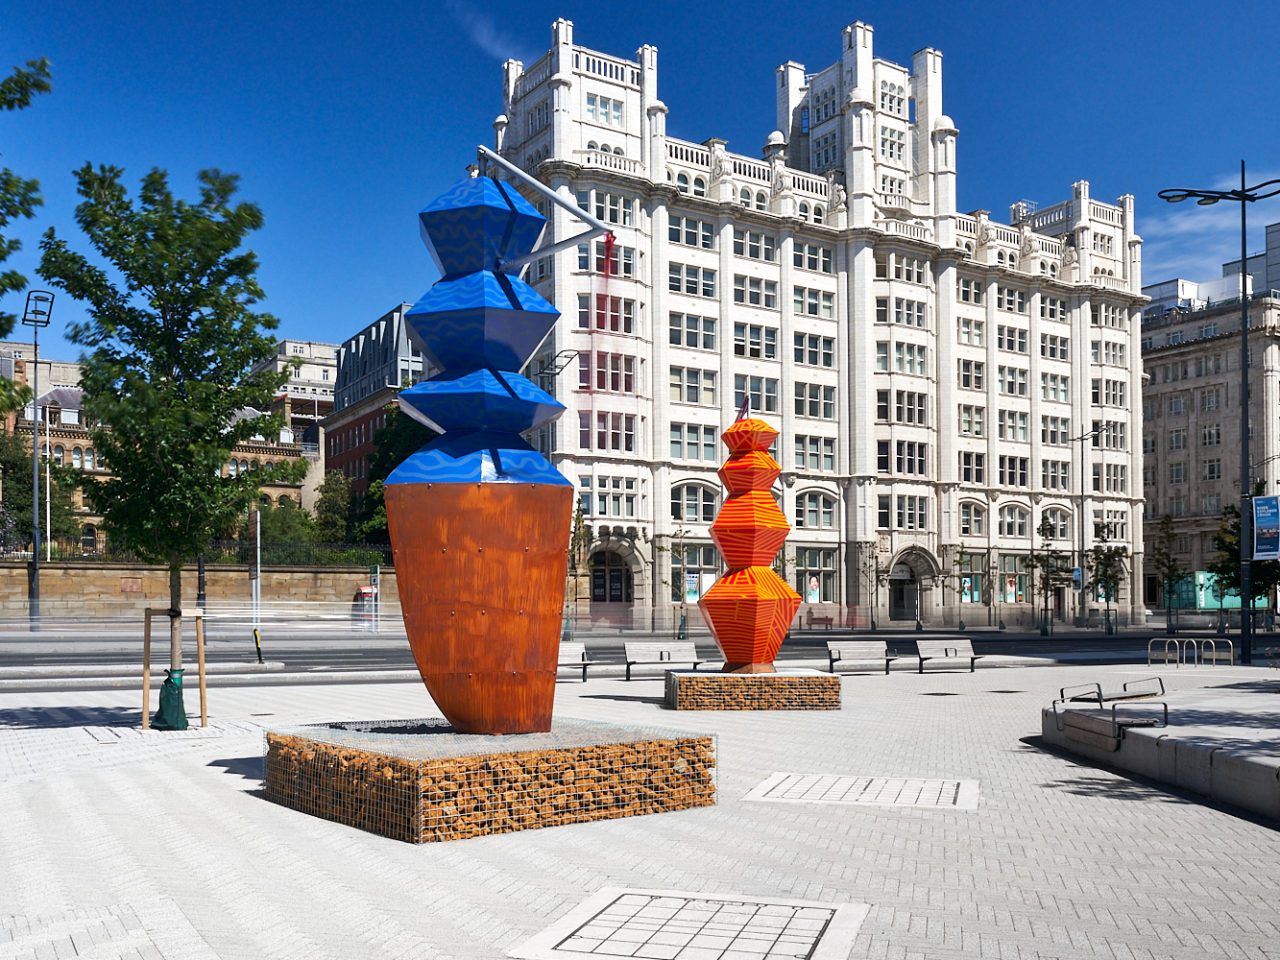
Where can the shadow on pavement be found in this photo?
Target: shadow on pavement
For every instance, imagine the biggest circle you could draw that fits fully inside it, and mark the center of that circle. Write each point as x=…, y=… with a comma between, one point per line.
x=46, y=718
x=250, y=768
x=624, y=697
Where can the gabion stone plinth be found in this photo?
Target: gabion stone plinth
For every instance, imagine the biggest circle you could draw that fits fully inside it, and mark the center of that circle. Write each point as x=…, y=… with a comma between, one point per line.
x=419, y=781
x=780, y=690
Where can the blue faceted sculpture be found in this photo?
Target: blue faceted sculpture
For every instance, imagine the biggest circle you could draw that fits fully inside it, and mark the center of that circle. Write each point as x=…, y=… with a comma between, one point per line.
x=479, y=520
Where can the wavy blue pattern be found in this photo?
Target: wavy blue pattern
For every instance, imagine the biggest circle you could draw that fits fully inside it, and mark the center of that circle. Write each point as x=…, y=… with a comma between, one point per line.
x=477, y=223
x=483, y=400
x=477, y=457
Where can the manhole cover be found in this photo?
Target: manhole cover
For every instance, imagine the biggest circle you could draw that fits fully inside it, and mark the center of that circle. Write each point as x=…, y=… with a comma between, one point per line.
x=872, y=791
x=676, y=925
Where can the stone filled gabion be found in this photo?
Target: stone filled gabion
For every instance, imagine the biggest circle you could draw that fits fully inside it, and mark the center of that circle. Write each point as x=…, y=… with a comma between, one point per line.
x=690, y=691
x=450, y=798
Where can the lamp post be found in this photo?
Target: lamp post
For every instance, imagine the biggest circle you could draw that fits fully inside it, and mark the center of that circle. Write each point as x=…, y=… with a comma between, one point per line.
x=37, y=313
x=1083, y=618
x=1244, y=196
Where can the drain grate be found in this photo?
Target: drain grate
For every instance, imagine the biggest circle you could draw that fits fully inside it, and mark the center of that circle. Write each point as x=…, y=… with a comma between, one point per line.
x=677, y=925
x=871, y=791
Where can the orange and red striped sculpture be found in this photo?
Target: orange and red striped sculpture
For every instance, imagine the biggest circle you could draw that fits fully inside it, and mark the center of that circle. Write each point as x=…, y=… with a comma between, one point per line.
x=750, y=608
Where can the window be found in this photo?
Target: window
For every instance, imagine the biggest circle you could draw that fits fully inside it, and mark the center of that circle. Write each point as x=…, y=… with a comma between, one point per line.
x=973, y=467
x=691, y=232
x=971, y=420
x=1013, y=471
x=1011, y=381
x=892, y=144
x=970, y=331
x=970, y=374
x=814, y=303
x=753, y=340
x=1053, y=308
x=615, y=497
x=1011, y=338
x=815, y=511
x=882, y=309
x=77, y=457
x=1059, y=522
x=816, y=573
x=1107, y=392
x=762, y=391
x=696, y=281
x=756, y=246
x=613, y=431
x=973, y=520
x=972, y=587
x=1013, y=578
x=911, y=458
x=1209, y=469
x=1055, y=431
x=1178, y=438
x=689, y=385
x=884, y=512
x=1011, y=299
x=1177, y=405
x=604, y=110
x=1055, y=474
x=614, y=314
x=1211, y=399
x=815, y=453
x=755, y=292
x=882, y=405
x=1011, y=425
x=1211, y=503
x=815, y=400
x=693, y=503
x=911, y=407
x=609, y=207
x=1110, y=434
x=697, y=559
x=1055, y=386
x=618, y=261
x=1178, y=472
x=814, y=351
x=810, y=256
x=969, y=291
x=1054, y=347
x=1210, y=435
x=882, y=456
x=910, y=358
x=1013, y=521
x=1108, y=315
x=686, y=330
x=913, y=513
x=1104, y=351
x=691, y=441
x=909, y=312
x=614, y=372
x=882, y=355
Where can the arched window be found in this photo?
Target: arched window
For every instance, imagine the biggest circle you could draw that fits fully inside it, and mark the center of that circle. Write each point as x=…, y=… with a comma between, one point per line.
x=617, y=151
x=682, y=182
x=1059, y=522
x=88, y=458
x=1013, y=521
x=88, y=538
x=699, y=187
x=244, y=466
x=592, y=145
x=815, y=511
x=285, y=500
x=1000, y=257
x=761, y=200
x=77, y=457
x=1053, y=269
x=253, y=465
x=232, y=467
x=58, y=453
x=691, y=503
x=973, y=520
x=819, y=215
x=804, y=211
x=744, y=195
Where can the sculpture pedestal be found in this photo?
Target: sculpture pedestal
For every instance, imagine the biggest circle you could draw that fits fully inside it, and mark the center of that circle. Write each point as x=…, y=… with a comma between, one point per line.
x=781, y=690
x=419, y=781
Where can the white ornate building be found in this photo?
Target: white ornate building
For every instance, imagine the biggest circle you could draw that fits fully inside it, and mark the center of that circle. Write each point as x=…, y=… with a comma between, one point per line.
x=931, y=372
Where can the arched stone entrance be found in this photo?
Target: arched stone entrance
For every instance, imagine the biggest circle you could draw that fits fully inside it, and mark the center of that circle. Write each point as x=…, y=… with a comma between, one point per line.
x=912, y=577
x=611, y=578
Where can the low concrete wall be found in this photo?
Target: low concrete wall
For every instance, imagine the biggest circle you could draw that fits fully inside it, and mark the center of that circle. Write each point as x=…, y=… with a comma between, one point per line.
x=69, y=589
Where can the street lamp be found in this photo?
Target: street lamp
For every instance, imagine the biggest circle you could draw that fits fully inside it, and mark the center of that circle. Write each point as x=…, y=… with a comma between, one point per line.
x=1082, y=438
x=37, y=313
x=1244, y=196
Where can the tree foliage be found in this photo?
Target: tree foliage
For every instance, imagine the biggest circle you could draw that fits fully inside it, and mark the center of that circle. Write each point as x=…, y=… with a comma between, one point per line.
x=400, y=437
x=19, y=198
x=1048, y=567
x=15, y=496
x=334, y=508
x=167, y=381
x=1264, y=575
x=1165, y=564
x=285, y=522
x=1107, y=571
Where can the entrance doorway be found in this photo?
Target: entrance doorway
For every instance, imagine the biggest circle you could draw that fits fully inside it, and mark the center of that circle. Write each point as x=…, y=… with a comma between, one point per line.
x=904, y=592
x=611, y=580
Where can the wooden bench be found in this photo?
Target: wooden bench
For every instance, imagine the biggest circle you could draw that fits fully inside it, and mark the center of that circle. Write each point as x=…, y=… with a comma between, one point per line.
x=859, y=651
x=811, y=620
x=642, y=653
x=947, y=650
x=574, y=655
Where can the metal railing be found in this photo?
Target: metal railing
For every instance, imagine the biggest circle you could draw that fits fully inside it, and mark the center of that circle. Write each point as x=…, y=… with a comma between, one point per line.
x=225, y=552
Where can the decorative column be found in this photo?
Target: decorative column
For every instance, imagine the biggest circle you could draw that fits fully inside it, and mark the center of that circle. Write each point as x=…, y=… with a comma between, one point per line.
x=750, y=608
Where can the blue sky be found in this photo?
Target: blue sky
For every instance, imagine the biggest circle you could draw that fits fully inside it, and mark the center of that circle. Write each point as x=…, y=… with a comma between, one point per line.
x=344, y=119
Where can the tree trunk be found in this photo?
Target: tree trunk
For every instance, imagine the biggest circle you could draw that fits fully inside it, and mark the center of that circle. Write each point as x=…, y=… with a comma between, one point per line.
x=175, y=616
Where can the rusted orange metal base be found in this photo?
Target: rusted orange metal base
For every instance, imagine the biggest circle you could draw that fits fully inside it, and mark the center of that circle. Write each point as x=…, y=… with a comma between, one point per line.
x=481, y=571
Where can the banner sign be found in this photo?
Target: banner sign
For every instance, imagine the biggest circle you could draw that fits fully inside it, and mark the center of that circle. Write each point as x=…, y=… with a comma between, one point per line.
x=1266, y=528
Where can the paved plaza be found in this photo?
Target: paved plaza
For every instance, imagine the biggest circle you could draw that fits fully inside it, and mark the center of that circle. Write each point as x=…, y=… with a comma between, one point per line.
x=120, y=843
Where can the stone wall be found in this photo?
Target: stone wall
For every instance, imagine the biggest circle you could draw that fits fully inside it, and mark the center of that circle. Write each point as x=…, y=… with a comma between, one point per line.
x=125, y=589
x=752, y=691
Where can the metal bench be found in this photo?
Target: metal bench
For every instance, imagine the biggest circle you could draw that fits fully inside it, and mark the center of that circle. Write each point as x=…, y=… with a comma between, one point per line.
x=1095, y=727
x=637, y=653
x=947, y=650
x=858, y=651
x=574, y=655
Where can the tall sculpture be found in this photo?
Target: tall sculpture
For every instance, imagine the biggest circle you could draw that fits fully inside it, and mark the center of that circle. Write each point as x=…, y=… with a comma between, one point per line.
x=479, y=520
x=750, y=608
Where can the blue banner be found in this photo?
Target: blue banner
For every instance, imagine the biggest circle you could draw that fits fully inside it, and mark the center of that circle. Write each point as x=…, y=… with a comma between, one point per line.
x=1266, y=528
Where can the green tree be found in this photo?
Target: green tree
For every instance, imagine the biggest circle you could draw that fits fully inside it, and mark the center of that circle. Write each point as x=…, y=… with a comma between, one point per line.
x=15, y=494
x=1164, y=562
x=1106, y=572
x=1047, y=568
x=1264, y=575
x=285, y=522
x=19, y=198
x=401, y=436
x=167, y=377
x=333, y=508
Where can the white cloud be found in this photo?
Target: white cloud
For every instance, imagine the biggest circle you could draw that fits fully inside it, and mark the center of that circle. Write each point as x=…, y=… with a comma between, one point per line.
x=1190, y=241
x=484, y=32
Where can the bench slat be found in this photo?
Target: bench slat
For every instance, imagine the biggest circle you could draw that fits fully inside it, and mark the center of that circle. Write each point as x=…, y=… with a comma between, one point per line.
x=864, y=650
x=960, y=648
